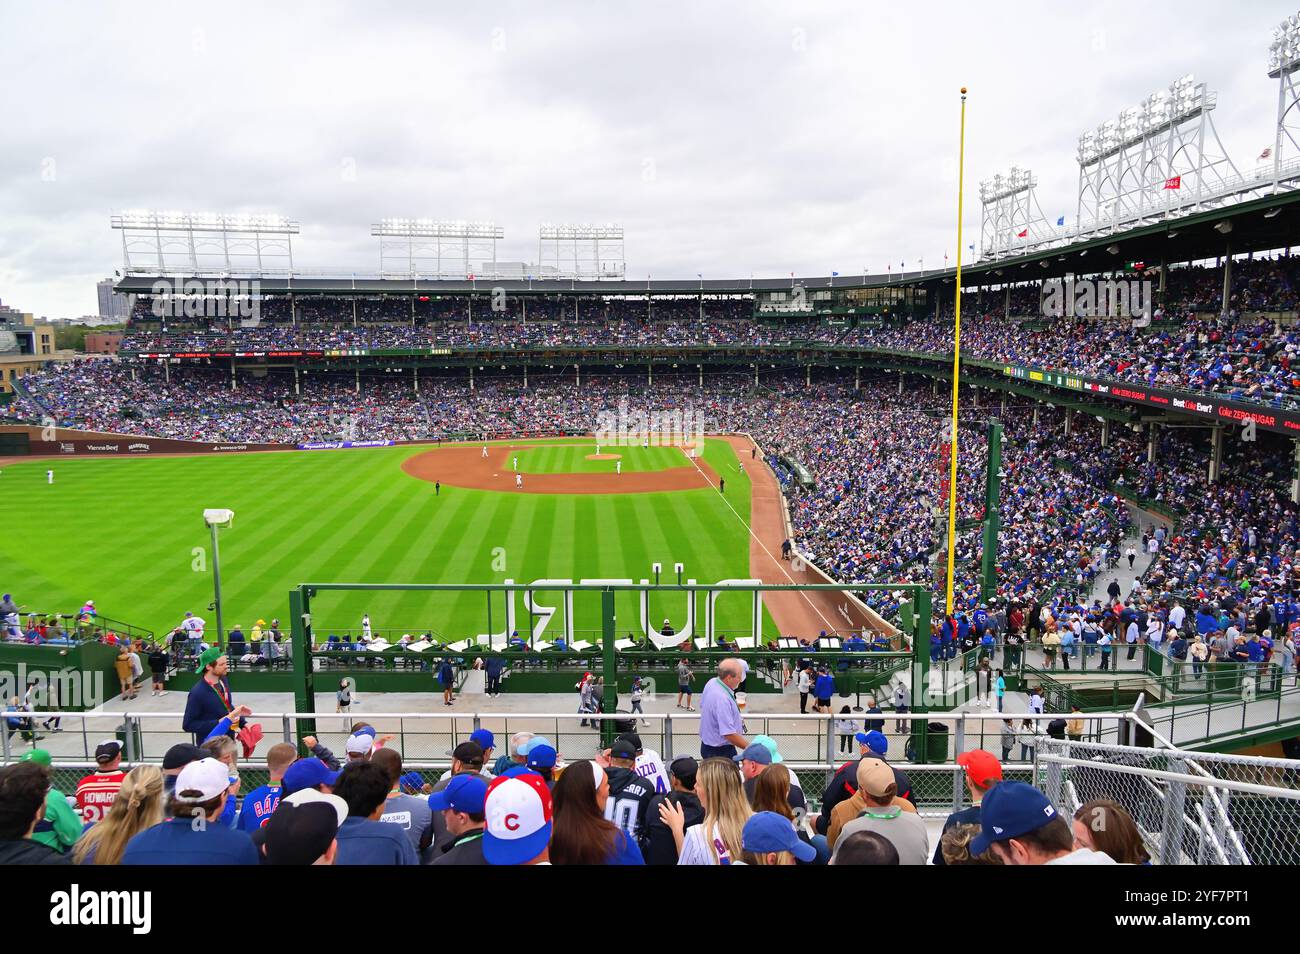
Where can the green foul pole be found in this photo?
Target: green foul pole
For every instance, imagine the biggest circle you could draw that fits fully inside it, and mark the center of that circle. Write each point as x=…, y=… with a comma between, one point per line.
x=992, y=513
x=610, y=658
x=304, y=680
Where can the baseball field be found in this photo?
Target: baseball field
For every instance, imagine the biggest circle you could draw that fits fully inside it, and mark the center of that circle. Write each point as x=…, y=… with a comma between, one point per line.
x=128, y=533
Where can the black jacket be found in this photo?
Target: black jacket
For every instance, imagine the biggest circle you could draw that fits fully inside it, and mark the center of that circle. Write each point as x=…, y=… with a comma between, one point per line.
x=464, y=850
x=657, y=845
x=629, y=799
x=27, y=852
x=845, y=785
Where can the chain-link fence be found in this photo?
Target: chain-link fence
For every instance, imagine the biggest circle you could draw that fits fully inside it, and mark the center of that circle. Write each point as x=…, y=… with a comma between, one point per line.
x=1190, y=808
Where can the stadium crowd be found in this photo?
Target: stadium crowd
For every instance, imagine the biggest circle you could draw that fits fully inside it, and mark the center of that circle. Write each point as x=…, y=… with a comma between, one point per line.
x=1194, y=341
x=525, y=807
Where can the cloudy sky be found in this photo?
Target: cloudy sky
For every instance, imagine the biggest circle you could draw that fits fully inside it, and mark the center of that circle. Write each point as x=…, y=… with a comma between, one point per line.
x=729, y=138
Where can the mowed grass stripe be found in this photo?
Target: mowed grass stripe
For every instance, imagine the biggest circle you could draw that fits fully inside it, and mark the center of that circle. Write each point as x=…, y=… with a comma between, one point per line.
x=463, y=611
x=347, y=516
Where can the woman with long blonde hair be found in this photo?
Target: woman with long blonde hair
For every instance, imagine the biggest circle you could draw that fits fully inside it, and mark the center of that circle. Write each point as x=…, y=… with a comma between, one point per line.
x=139, y=805
x=716, y=840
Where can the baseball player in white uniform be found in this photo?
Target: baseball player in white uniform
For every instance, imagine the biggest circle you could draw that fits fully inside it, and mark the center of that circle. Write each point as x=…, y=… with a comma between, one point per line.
x=485, y=450
x=618, y=467
x=49, y=476
x=519, y=480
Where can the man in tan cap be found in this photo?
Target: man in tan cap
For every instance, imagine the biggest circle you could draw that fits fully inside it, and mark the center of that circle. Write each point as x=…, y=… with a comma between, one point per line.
x=849, y=809
x=885, y=816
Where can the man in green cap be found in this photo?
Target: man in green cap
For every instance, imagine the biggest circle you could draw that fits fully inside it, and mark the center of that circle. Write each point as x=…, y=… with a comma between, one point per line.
x=60, y=827
x=209, y=701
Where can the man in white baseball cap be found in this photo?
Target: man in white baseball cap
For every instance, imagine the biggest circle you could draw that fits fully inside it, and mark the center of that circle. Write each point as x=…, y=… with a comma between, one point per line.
x=193, y=835
x=359, y=746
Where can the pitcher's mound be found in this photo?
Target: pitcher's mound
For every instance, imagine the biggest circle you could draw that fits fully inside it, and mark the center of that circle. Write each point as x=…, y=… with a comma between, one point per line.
x=604, y=457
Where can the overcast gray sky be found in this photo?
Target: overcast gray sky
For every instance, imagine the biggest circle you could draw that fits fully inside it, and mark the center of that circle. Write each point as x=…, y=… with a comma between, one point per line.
x=728, y=138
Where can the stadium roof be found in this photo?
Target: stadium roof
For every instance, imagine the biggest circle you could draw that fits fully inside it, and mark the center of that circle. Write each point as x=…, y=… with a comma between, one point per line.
x=1257, y=225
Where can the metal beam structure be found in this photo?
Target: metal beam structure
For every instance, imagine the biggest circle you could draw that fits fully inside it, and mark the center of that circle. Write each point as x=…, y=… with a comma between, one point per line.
x=1283, y=64
x=437, y=249
x=581, y=251
x=1010, y=217
x=1157, y=160
x=194, y=242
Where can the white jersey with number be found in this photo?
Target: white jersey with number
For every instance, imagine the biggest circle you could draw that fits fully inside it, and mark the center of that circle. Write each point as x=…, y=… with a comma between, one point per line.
x=650, y=767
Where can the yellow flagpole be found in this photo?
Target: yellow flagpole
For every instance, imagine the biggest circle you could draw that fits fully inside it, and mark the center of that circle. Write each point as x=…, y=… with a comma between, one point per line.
x=956, y=366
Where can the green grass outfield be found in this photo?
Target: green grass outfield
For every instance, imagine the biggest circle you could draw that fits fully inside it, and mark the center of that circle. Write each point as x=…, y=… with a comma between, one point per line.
x=572, y=459
x=128, y=533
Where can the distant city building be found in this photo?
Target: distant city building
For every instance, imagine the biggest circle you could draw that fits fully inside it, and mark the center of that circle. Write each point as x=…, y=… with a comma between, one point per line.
x=24, y=345
x=103, y=342
x=112, y=304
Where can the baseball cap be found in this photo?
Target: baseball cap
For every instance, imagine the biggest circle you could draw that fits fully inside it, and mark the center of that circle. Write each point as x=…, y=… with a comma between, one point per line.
x=542, y=756
x=484, y=738
x=208, y=657
x=359, y=744
x=633, y=738
x=768, y=831
x=982, y=767
x=526, y=747
x=518, y=810
x=180, y=755
x=1009, y=810
x=107, y=750
x=206, y=776
x=366, y=730
x=467, y=752
x=621, y=749
x=298, y=834
x=464, y=793
x=755, y=753
x=768, y=743
x=411, y=780
x=309, y=796
x=684, y=768
x=875, y=776
x=306, y=773
x=874, y=740
x=39, y=756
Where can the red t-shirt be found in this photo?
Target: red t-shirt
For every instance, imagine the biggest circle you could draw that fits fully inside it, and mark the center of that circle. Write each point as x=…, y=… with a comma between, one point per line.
x=96, y=794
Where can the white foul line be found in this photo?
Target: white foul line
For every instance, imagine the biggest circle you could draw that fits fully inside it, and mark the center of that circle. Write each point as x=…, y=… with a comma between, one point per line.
x=829, y=625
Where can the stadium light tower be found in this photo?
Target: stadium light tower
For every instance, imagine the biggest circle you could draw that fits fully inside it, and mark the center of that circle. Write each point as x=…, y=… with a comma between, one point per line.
x=445, y=249
x=194, y=242
x=581, y=251
x=1160, y=158
x=1283, y=63
x=216, y=519
x=1009, y=208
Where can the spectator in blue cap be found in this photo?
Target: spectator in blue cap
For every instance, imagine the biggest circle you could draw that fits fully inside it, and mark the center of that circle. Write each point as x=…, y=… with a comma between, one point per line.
x=753, y=760
x=1020, y=826
x=541, y=759
x=461, y=806
x=871, y=745
x=769, y=839
x=308, y=773
x=487, y=742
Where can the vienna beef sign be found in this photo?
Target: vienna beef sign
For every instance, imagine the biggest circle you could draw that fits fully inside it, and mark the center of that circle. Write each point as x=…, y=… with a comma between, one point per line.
x=1208, y=405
